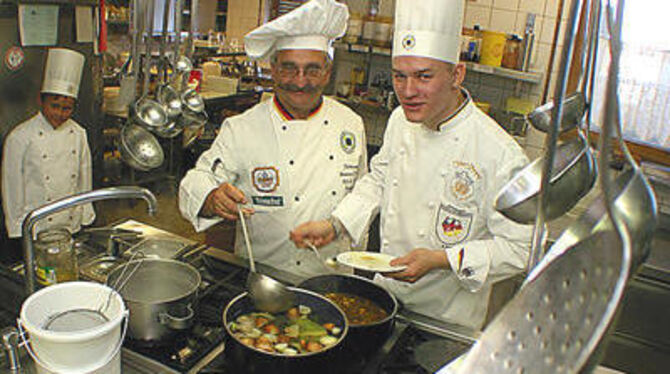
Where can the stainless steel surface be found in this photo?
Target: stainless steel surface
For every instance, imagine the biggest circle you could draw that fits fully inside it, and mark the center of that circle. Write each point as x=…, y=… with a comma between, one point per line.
x=267, y=294
x=171, y=100
x=192, y=100
x=573, y=175
x=539, y=230
x=127, y=192
x=159, y=296
x=158, y=247
x=556, y=320
x=139, y=149
x=574, y=107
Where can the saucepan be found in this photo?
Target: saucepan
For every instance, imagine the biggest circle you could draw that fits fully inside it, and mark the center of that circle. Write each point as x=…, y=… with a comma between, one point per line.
x=573, y=175
x=160, y=295
x=248, y=359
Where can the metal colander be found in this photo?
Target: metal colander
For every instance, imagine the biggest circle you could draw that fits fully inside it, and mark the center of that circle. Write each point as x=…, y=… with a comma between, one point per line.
x=554, y=323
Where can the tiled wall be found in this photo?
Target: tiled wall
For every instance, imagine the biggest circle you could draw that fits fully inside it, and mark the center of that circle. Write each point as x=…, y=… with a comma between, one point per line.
x=242, y=18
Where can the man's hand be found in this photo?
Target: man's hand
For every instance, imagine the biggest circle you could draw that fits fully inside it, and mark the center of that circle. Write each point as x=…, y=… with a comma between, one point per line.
x=318, y=233
x=223, y=202
x=419, y=262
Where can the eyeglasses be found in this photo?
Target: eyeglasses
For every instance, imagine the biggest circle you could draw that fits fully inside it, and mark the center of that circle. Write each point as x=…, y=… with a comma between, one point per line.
x=310, y=71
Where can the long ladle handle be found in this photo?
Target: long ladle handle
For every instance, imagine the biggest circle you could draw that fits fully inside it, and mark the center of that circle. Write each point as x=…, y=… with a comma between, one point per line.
x=252, y=265
x=149, y=29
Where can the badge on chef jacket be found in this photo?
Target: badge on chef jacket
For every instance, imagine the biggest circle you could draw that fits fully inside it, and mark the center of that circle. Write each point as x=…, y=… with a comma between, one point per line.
x=347, y=141
x=463, y=180
x=265, y=179
x=452, y=224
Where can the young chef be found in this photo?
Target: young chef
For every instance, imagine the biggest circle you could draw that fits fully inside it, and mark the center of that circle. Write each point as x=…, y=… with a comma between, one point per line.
x=289, y=159
x=435, y=178
x=47, y=157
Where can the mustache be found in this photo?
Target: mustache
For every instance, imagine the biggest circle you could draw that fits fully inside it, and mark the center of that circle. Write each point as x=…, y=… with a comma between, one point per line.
x=308, y=88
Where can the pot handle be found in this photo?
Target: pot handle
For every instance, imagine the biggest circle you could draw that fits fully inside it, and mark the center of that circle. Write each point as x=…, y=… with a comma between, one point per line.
x=177, y=323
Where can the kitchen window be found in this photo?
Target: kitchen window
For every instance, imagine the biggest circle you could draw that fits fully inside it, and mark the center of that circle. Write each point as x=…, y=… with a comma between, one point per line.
x=644, y=79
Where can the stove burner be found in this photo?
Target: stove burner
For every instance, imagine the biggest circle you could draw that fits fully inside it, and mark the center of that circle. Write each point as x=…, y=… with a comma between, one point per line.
x=410, y=354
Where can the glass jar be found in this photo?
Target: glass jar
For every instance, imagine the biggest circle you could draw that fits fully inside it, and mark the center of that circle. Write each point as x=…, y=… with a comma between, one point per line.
x=512, y=53
x=55, y=257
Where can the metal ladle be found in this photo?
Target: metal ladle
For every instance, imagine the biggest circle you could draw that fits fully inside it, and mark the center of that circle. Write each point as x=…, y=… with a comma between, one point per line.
x=267, y=294
x=330, y=262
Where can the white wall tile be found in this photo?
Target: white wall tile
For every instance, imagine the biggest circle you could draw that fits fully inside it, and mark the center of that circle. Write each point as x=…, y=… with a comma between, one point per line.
x=479, y=2
x=520, y=23
x=503, y=20
x=540, y=59
x=532, y=6
x=506, y=4
x=551, y=8
x=547, y=32
x=477, y=15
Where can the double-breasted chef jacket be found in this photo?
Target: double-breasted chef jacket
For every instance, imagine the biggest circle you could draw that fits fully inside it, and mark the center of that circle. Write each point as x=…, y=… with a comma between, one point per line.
x=291, y=171
x=436, y=189
x=40, y=165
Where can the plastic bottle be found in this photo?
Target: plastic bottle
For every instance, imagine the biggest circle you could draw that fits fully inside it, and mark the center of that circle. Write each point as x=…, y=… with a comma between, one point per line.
x=477, y=40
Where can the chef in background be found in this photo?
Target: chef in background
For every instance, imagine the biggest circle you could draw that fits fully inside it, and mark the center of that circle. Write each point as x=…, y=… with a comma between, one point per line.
x=289, y=159
x=435, y=179
x=47, y=157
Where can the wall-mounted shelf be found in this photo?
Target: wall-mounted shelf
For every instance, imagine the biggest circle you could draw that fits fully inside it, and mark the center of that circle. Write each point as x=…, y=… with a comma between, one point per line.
x=524, y=76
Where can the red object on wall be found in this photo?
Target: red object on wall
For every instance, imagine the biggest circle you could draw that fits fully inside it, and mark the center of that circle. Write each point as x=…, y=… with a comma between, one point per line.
x=102, y=45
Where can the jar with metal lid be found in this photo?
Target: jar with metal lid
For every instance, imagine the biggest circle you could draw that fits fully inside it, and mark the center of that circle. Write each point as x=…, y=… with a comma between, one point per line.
x=512, y=53
x=55, y=257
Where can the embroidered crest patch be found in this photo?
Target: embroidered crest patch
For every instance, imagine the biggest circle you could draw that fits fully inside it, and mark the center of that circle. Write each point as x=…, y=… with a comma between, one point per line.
x=452, y=225
x=265, y=179
x=408, y=42
x=463, y=180
x=347, y=141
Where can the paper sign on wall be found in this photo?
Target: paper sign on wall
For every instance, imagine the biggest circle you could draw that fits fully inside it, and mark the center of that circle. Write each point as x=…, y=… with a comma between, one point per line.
x=84, y=23
x=38, y=24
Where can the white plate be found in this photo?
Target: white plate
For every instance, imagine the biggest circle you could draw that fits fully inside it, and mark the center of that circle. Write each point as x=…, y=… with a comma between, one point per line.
x=370, y=261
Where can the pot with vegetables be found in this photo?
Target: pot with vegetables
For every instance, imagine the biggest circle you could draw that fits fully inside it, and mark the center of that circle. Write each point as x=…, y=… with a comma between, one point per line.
x=369, y=308
x=305, y=339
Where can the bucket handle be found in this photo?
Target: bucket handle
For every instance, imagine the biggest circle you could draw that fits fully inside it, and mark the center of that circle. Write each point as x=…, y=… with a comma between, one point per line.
x=33, y=355
x=177, y=323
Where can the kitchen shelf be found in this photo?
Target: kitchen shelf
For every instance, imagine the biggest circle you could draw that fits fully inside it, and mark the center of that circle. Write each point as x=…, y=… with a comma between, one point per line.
x=524, y=76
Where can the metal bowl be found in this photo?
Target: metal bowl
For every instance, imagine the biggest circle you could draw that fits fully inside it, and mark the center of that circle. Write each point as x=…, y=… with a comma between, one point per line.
x=574, y=107
x=170, y=100
x=192, y=100
x=149, y=113
x=573, y=175
x=184, y=65
x=139, y=148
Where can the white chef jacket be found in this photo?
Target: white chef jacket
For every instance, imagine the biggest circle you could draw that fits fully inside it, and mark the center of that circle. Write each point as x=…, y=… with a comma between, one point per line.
x=436, y=189
x=291, y=171
x=41, y=164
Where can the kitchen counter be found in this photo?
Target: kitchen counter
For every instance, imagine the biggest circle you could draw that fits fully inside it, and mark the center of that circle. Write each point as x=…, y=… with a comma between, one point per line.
x=405, y=319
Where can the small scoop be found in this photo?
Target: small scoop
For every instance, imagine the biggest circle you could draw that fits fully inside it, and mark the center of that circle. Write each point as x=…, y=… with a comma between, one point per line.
x=268, y=294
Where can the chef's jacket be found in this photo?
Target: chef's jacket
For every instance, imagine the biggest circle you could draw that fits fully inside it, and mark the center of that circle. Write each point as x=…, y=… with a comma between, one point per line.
x=291, y=171
x=40, y=165
x=436, y=189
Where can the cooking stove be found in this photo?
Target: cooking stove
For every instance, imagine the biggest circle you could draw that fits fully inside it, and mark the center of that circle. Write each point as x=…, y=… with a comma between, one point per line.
x=410, y=349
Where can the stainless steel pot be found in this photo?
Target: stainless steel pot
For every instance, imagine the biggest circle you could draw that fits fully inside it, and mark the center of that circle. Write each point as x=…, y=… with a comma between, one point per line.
x=160, y=296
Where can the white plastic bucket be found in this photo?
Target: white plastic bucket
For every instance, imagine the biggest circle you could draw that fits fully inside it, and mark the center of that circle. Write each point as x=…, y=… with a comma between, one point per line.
x=95, y=349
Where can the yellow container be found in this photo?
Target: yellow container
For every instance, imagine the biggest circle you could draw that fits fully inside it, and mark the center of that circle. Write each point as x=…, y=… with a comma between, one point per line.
x=493, y=45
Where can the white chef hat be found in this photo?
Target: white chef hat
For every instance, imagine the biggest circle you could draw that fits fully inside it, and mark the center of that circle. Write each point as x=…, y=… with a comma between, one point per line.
x=314, y=25
x=428, y=28
x=62, y=73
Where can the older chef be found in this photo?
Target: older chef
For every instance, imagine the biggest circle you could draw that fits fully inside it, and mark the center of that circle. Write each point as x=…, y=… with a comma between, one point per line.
x=47, y=157
x=289, y=159
x=435, y=178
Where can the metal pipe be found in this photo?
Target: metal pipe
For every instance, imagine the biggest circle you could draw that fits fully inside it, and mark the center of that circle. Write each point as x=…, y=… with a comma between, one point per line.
x=536, y=250
x=126, y=192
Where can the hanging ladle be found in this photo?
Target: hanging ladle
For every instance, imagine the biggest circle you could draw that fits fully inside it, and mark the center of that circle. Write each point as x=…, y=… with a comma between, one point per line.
x=267, y=294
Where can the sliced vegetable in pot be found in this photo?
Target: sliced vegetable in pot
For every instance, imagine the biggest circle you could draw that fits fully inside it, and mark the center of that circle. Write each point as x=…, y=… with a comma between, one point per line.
x=292, y=333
